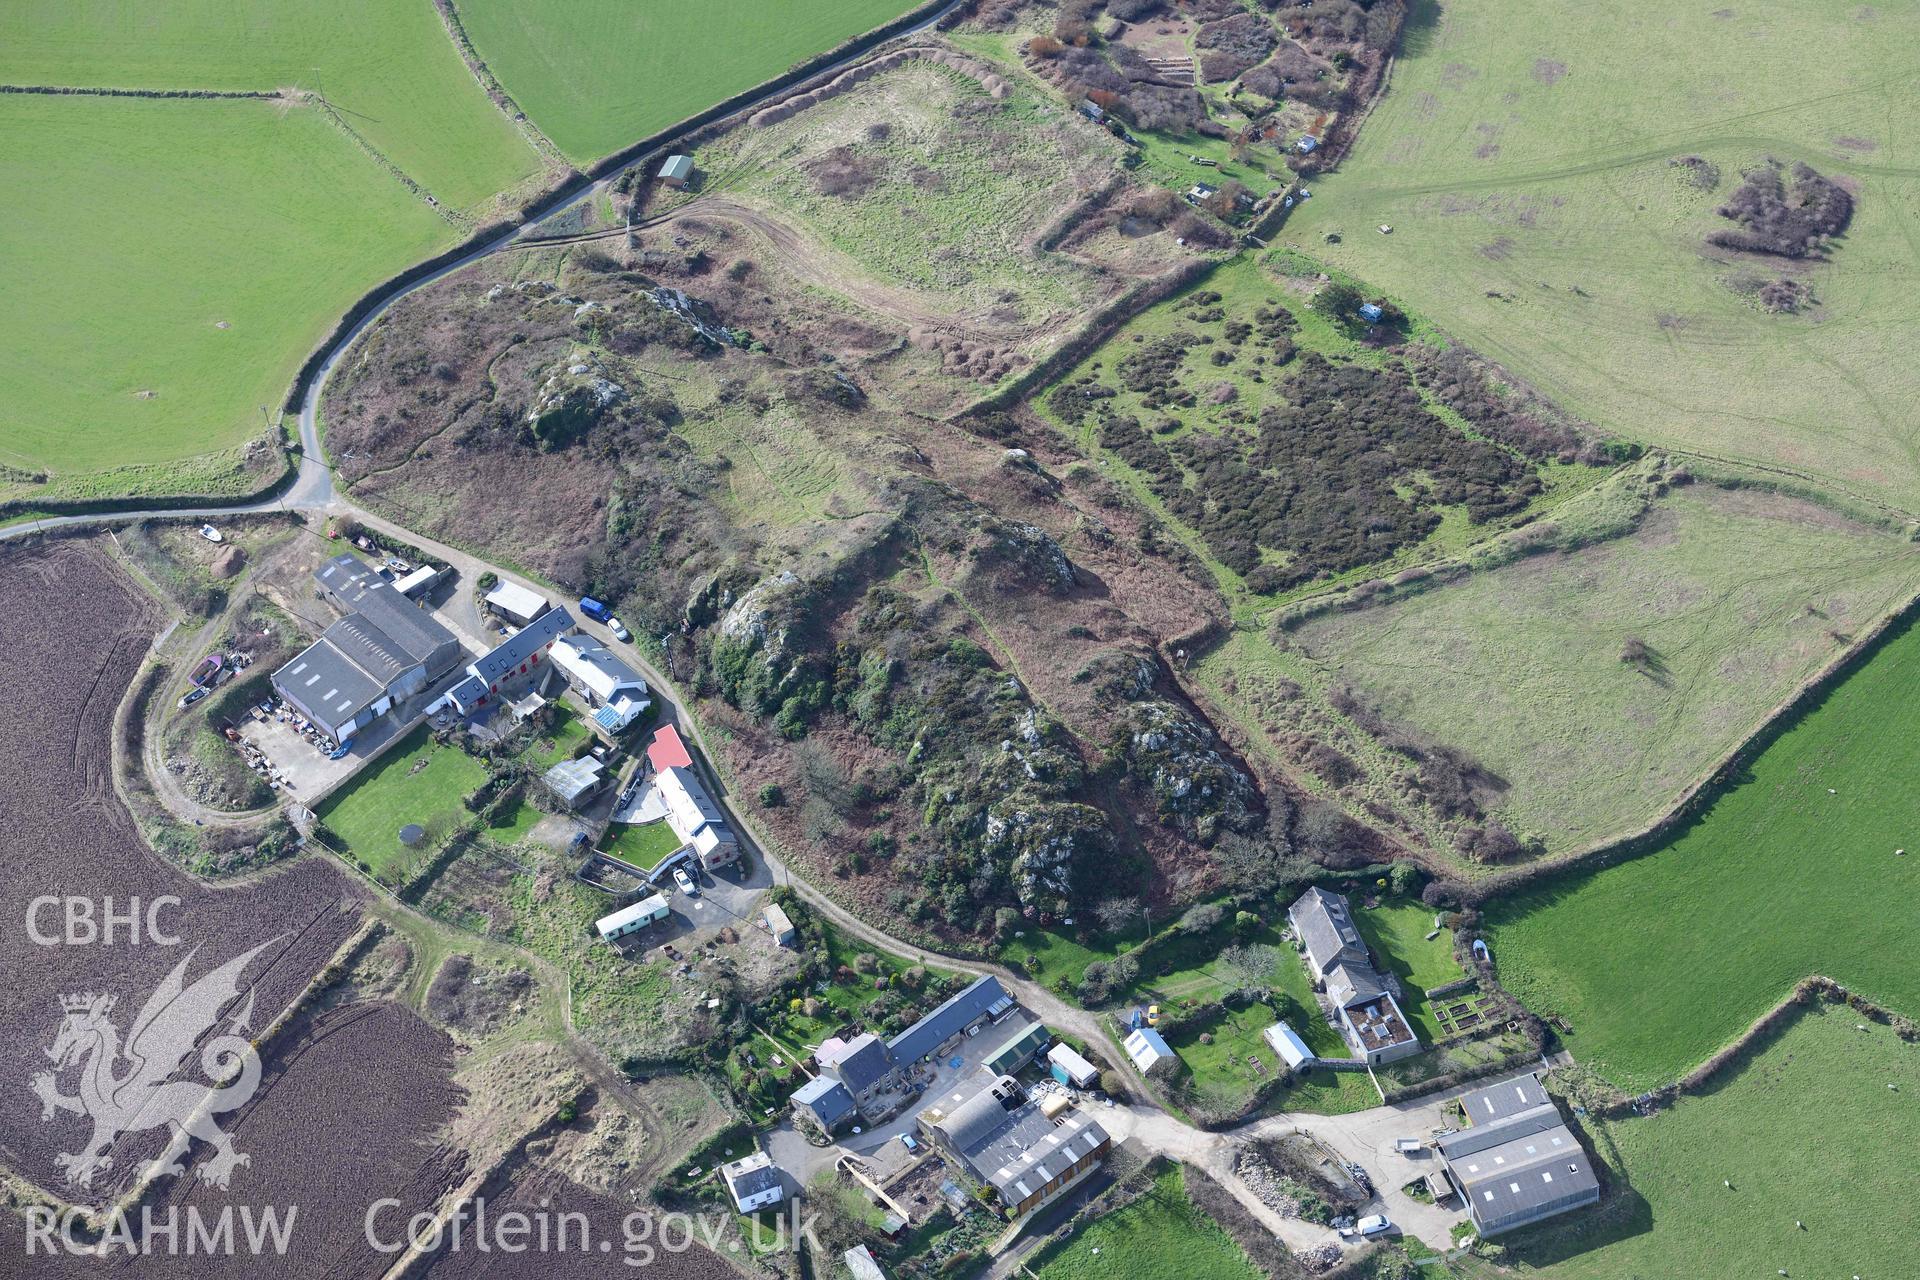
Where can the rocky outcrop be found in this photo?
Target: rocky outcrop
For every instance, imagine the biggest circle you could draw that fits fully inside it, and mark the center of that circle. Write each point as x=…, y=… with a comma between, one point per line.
x=571, y=398
x=1175, y=757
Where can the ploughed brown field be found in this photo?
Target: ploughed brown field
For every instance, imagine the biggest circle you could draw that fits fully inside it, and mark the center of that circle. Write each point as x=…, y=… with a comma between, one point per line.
x=74, y=631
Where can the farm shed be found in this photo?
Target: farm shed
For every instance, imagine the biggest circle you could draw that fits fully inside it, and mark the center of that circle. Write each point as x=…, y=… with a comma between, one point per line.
x=632, y=918
x=778, y=925
x=386, y=650
x=1517, y=1162
x=517, y=604
x=1070, y=1068
x=826, y=1100
x=1004, y=1141
x=1286, y=1042
x=1148, y=1049
x=1018, y=1050
x=985, y=998
x=677, y=171
x=754, y=1182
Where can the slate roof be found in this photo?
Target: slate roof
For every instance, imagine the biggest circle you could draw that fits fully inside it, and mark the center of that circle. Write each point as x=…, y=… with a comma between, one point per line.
x=1324, y=922
x=863, y=1064
x=983, y=997
x=751, y=1176
x=508, y=656
x=827, y=1098
x=1351, y=984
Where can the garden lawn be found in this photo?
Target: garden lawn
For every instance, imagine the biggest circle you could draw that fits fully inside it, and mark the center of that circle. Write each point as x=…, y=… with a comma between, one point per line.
x=389, y=69
x=1051, y=958
x=1659, y=961
x=568, y=734
x=1807, y=1131
x=1224, y=1072
x=1160, y=1236
x=598, y=75
x=1521, y=157
x=1398, y=932
x=642, y=844
x=368, y=812
x=134, y=230
x=1739, y=595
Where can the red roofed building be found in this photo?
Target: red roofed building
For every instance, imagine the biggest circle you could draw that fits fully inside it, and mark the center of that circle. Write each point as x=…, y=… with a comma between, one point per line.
x=666, y=751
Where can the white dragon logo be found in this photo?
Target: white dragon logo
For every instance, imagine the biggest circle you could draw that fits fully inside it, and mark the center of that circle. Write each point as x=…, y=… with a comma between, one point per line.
x=145, y=1096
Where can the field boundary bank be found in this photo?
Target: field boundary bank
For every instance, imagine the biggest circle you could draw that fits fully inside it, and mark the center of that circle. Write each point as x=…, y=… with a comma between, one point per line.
x=496, y=92
x=398, y=174
x=1805, y=996
x=157, y=506
x=78, y=91
x=1716, y=781
x=497, y=233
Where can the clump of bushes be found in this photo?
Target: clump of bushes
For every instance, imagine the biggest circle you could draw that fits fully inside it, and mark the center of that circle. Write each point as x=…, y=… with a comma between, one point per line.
x=1794, y=219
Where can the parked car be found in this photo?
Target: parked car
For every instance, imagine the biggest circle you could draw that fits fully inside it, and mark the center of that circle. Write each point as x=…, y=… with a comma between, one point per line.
x=594, y=609
x=1374, y=1224
x=686, y=883
x=341, y=752
x=619, y=630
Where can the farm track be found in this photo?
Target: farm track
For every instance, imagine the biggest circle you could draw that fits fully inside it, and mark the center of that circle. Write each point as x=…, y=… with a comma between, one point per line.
x=315, y=491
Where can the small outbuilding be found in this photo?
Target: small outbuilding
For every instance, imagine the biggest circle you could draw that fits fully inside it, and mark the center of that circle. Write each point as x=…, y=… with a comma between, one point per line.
x=573, y=782
x=778, y=925
x=1069, y=1068
x=1288, y=1046
x=1371, y=312
x=515, y=603
x=1018, y=1050
x=677, y=171
x=632, y=919
x=1307, y=145
x=861, y=1263
x=1148, y=1049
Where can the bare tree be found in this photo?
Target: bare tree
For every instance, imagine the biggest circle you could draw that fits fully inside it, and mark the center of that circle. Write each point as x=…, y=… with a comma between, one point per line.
x=1249, y=966
x=1116, y=914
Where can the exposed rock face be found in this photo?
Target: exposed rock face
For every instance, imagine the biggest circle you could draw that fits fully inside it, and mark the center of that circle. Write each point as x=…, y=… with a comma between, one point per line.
x=571, y=398
x=1022, y=557
x=1176, y=758
x=758, y=656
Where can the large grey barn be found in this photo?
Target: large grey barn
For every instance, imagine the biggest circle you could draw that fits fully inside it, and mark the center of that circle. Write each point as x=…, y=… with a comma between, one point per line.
x=1517, y=1162
x=385, y=650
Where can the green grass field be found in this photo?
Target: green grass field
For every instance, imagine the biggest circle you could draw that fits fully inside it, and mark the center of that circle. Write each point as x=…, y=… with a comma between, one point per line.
x=1521, y=159
x=368, y=812
x=1740, y=596
x=120, y=262
x=1659, y=961
x=596, y=75
x=1807, y=1131
x=1160, y=1236
x=388, y=68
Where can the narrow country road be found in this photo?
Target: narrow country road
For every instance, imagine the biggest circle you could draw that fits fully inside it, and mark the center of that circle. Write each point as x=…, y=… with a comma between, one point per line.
x=1361, y=1137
